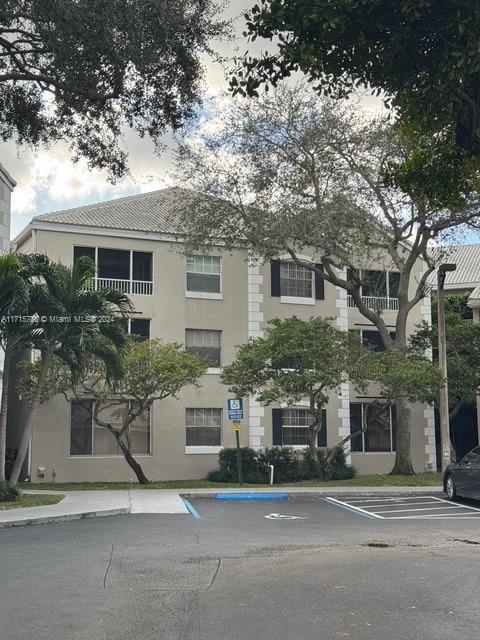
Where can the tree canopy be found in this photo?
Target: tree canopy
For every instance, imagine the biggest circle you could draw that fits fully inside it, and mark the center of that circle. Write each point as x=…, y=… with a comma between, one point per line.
x=463, y=350
x=290, y=174
x=81, y=71
x=422, y=56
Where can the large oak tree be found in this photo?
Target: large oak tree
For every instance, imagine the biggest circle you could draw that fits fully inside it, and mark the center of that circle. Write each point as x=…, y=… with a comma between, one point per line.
x=82, y=71
x=422, y=56
x=289, y=172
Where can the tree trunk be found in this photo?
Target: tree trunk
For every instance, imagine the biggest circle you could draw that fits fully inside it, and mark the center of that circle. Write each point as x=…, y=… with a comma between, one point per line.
x=3, y=415
x=403, y=458
x=27, y=432
x=141, y=477
x=312, y=444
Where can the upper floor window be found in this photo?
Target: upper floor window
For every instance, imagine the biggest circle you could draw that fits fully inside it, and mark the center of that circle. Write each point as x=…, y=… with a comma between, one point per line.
x=127, y=271
x=295, y=280
x=379, y=289
x=203, y=274
x=380, y=427
x=296, y=283
x=206, y=343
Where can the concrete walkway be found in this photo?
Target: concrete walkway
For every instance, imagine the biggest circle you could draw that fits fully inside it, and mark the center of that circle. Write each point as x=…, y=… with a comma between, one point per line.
x=77, y=505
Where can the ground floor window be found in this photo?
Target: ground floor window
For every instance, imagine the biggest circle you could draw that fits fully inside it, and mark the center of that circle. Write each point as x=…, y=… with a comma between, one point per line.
x=380, y=422
x=203, y=427
x=87, y=438
x=290, y=427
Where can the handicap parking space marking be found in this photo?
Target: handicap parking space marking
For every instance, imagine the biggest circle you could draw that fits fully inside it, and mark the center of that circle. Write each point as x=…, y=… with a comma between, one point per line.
x=412, y=507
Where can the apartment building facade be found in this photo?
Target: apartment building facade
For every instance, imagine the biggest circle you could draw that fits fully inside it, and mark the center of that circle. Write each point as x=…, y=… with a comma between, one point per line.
x=7, y=185
x=211, y=302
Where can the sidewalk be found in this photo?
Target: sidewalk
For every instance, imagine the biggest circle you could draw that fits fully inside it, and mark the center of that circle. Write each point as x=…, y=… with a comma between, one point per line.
x=88, y=504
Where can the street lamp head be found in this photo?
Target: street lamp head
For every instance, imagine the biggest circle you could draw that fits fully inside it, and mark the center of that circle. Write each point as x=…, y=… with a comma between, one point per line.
x=447, y=266
x=442, y=270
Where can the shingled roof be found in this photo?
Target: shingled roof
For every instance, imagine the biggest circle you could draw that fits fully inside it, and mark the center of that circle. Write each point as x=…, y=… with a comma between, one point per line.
x=154, y=211
x=467, y=259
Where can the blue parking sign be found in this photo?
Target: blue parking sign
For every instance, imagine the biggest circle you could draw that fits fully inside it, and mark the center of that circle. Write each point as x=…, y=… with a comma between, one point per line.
x=235, y=408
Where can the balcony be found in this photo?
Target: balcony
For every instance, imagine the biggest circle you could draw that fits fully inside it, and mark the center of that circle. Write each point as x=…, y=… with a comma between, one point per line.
x=130, y=287
x=130, y=272
x=376, y=303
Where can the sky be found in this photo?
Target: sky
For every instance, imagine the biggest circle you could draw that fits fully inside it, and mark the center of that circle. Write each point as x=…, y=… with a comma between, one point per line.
x=47, y=179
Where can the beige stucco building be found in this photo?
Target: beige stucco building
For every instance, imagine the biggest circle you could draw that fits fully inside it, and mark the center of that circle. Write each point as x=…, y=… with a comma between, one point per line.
x=7, y=185
x=211, y=303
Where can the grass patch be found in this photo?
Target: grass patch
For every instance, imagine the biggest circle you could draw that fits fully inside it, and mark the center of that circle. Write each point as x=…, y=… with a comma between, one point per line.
x=418, y=480
x=25, y=500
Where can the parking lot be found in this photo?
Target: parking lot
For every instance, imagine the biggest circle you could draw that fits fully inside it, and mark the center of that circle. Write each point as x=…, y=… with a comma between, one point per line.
x=315, y=568
x=407, y=507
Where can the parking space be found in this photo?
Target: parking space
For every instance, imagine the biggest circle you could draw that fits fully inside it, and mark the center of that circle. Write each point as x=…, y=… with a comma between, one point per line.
x=407, y=507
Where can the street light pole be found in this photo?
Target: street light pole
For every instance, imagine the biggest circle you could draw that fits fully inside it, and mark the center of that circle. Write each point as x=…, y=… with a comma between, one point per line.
x=442, y=361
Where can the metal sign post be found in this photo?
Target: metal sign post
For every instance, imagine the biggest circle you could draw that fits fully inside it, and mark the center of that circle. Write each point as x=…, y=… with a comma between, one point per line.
x=235, y=414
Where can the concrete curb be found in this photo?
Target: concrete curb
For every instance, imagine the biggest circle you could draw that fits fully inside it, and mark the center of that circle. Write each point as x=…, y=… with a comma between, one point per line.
x=176, y=494
x=23, y=522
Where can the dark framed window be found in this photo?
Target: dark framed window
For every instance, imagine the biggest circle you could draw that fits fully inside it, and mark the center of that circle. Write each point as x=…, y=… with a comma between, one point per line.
x=380, y=422
x=114, y=264
x=140, y=328
x=90, y=439
x=371, y=338
x=142, y=266
x=81, y=416
x=205, y=342
x=203, y=427
x=79, y=252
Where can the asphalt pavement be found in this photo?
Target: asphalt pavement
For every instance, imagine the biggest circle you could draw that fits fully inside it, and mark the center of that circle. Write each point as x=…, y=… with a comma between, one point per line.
x=306, y=569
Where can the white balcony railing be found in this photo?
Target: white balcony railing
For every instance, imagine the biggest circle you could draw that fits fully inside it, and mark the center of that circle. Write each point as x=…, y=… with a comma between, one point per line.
x=376, y=304
x=132, y=287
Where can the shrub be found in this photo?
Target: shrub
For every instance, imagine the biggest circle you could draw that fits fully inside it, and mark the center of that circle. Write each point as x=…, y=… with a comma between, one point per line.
x=287, y=463
x=290, y=465
x=330, y=464
x=7, y=493
x=252, y=473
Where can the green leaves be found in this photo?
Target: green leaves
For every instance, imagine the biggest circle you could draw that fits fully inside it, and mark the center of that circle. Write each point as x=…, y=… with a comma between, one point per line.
x=422, y=59
x=296, y=359
x=82, y=71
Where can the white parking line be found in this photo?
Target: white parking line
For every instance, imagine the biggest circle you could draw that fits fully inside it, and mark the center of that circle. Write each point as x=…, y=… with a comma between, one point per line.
x=450, y=506
x=378, y=508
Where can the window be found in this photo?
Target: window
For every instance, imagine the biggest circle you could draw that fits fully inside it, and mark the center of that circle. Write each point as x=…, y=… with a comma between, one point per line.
x=124, y=270
x=377, y=284
x=203, y=427
x=114, y=264
x=142, y=266
x=81, y=428
x=203, y=274
x=372, y=339
x=380, y=434
x=204, y=342
x=295, y=280
x=290, y=427
x=79, y=252
x=139, y=328
x=88, y=438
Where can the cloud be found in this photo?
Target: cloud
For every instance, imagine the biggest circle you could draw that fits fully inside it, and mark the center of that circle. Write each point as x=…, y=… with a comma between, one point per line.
x=47, y=180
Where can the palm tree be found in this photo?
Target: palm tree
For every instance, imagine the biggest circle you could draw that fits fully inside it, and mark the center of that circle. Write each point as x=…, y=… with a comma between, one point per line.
x=75, y=325
x=18, y=275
